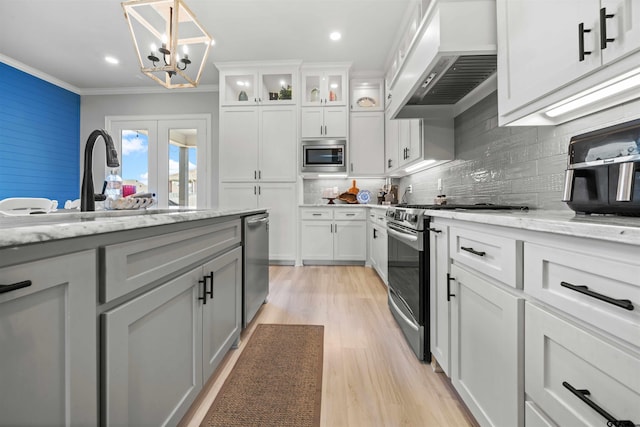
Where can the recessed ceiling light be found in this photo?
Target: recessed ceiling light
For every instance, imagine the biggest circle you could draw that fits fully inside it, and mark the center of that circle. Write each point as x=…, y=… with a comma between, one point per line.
x=111, y=60
x=335, y=36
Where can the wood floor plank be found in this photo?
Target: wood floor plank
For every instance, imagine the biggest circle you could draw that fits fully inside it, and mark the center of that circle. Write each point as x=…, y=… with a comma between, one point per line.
x=371, y=376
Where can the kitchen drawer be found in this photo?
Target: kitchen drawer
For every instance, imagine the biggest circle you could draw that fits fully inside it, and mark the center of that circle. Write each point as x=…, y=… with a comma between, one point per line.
x=560, y=354
x=553, y=271
x=132, y=265
x=488, y=252
x=357, y=213
x=534, y=417
x=316, y=213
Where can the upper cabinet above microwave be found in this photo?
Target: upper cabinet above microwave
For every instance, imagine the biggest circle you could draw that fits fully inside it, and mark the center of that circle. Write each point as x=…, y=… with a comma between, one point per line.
x=554, y=55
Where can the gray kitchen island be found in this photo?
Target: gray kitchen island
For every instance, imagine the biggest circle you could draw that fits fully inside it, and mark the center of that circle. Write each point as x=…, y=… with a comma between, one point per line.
x=115, y=318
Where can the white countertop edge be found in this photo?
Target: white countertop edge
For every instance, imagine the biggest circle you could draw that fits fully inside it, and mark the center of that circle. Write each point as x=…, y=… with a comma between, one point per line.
x=82, y=224
x=618, y=229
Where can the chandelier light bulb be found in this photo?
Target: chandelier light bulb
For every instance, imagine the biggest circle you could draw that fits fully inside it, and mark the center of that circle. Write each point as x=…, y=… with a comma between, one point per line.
x=154, y=48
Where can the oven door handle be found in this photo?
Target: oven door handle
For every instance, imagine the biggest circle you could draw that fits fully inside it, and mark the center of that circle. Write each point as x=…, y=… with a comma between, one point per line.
x=399, y=311
x=403, y=236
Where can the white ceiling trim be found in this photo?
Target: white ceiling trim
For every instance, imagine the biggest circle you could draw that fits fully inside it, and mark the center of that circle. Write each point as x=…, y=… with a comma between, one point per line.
x=146, y=90
x=39, y=74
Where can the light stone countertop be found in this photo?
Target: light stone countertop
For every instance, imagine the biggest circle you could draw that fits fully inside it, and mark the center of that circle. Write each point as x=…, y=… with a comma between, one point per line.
x=620, y=229
x=21, y=230
x=345, y=205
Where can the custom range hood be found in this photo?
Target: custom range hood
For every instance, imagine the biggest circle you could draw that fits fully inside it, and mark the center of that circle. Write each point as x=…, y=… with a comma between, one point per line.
x=451, y=62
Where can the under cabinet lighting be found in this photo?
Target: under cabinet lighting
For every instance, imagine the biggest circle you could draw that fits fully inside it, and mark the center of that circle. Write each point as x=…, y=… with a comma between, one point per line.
x=420, y=165
x=615, y=86
x=331, y=175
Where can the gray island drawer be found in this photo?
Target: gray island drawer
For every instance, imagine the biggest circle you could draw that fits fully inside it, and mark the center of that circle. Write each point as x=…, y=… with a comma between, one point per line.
x=131, y=265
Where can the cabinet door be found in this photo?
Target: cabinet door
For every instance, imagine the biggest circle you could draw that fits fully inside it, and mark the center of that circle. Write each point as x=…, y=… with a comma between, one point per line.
x=366, y=144
x=623, y=27
x=238, y=87
x=440, y=309
x=238, y=195
x=153, y=354
x=280, y=200
x=379, y=249
x=350, y=240
x=538, y=46
x=238, y=143
x=486, y=349
x=317, y=240
x=414, y=147
x=278, y=144
x=48, y=343
x=403, y=142
x=391, y=143
x=335, y=87
x=312, y=122
x=335, y=122
x=222, y=313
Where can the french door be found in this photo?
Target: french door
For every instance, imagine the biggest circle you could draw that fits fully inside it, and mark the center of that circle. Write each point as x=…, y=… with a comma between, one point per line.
x=167, y=156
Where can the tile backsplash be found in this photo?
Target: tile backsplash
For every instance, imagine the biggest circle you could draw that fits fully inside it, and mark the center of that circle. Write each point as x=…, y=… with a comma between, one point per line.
x=508, y=165
x=313, y=188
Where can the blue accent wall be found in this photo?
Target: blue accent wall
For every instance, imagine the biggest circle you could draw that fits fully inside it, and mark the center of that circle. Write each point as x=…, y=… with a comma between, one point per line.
x=39, y=138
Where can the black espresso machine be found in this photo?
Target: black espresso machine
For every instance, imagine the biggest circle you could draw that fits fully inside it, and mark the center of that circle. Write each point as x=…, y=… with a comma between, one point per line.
x=603, y=172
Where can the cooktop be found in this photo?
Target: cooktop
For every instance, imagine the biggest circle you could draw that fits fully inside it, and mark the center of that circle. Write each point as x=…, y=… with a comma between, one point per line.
x=463, y=206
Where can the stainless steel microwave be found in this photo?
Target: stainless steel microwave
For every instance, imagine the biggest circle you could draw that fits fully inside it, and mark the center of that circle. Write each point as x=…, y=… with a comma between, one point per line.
x=326, y=155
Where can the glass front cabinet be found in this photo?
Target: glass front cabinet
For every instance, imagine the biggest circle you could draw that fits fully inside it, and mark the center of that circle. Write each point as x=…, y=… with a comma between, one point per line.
x=258, y=86
x=324, y=87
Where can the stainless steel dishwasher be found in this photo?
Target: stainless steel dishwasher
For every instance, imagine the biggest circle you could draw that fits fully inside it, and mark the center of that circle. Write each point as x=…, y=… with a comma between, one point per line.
x=255, y=278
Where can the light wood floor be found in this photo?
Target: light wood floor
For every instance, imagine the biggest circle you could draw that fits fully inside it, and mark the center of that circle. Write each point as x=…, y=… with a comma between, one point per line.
x=371, y=377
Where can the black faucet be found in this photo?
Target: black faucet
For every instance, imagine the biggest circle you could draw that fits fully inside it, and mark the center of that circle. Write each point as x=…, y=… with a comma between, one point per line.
x=87, y=195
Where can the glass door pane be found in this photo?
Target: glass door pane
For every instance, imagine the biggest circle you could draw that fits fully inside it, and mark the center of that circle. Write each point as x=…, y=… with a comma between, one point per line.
x=135, y=161
x=183, y=168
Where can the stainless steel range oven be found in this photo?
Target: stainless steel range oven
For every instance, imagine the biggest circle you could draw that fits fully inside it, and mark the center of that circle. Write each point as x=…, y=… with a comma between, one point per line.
x=408, y=275
x=408, y=263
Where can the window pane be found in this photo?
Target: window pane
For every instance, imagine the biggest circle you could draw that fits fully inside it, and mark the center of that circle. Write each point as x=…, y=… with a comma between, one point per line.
x=182, y=167
x=135, y=160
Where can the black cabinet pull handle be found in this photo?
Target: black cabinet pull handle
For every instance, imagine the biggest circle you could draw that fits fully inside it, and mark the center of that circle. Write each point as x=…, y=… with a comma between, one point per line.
x=449, y=294
x=14, y=286
x=375, y=236
x=210, y=277
x=581, y=51
x=473, y=251
x=603, y=28
x=435, y=230
x=259, y=174
x=622, y=303
x=582, y=395
x=203, y=282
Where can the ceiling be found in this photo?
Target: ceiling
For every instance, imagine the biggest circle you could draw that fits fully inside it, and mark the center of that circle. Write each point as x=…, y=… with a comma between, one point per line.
x=68, y=39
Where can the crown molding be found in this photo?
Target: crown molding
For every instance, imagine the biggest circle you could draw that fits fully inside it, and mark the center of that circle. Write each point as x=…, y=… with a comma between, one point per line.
x=39, y=74
x=141, y=90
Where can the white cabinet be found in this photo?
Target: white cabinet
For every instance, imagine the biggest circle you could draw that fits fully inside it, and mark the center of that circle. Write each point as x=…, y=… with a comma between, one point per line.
x=48, y=342
x=580, y=40
x=324, y=86
x=258, y=84
x=417, y=142
x=324, y=122
x=280, y=200
x=333, y=235
x=567, y=366
x=324, y=112
x=366, y=144
x=378, y=243
x=486, y=349
x=409, y=141
x=258, y=143
x=440, y=317
x=367, y=95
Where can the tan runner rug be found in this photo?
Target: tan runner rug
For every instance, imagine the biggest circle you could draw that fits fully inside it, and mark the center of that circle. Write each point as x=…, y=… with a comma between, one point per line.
x=277, y=380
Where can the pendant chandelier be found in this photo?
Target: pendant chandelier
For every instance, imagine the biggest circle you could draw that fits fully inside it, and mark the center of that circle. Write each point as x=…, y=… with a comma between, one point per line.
x=171, y=44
